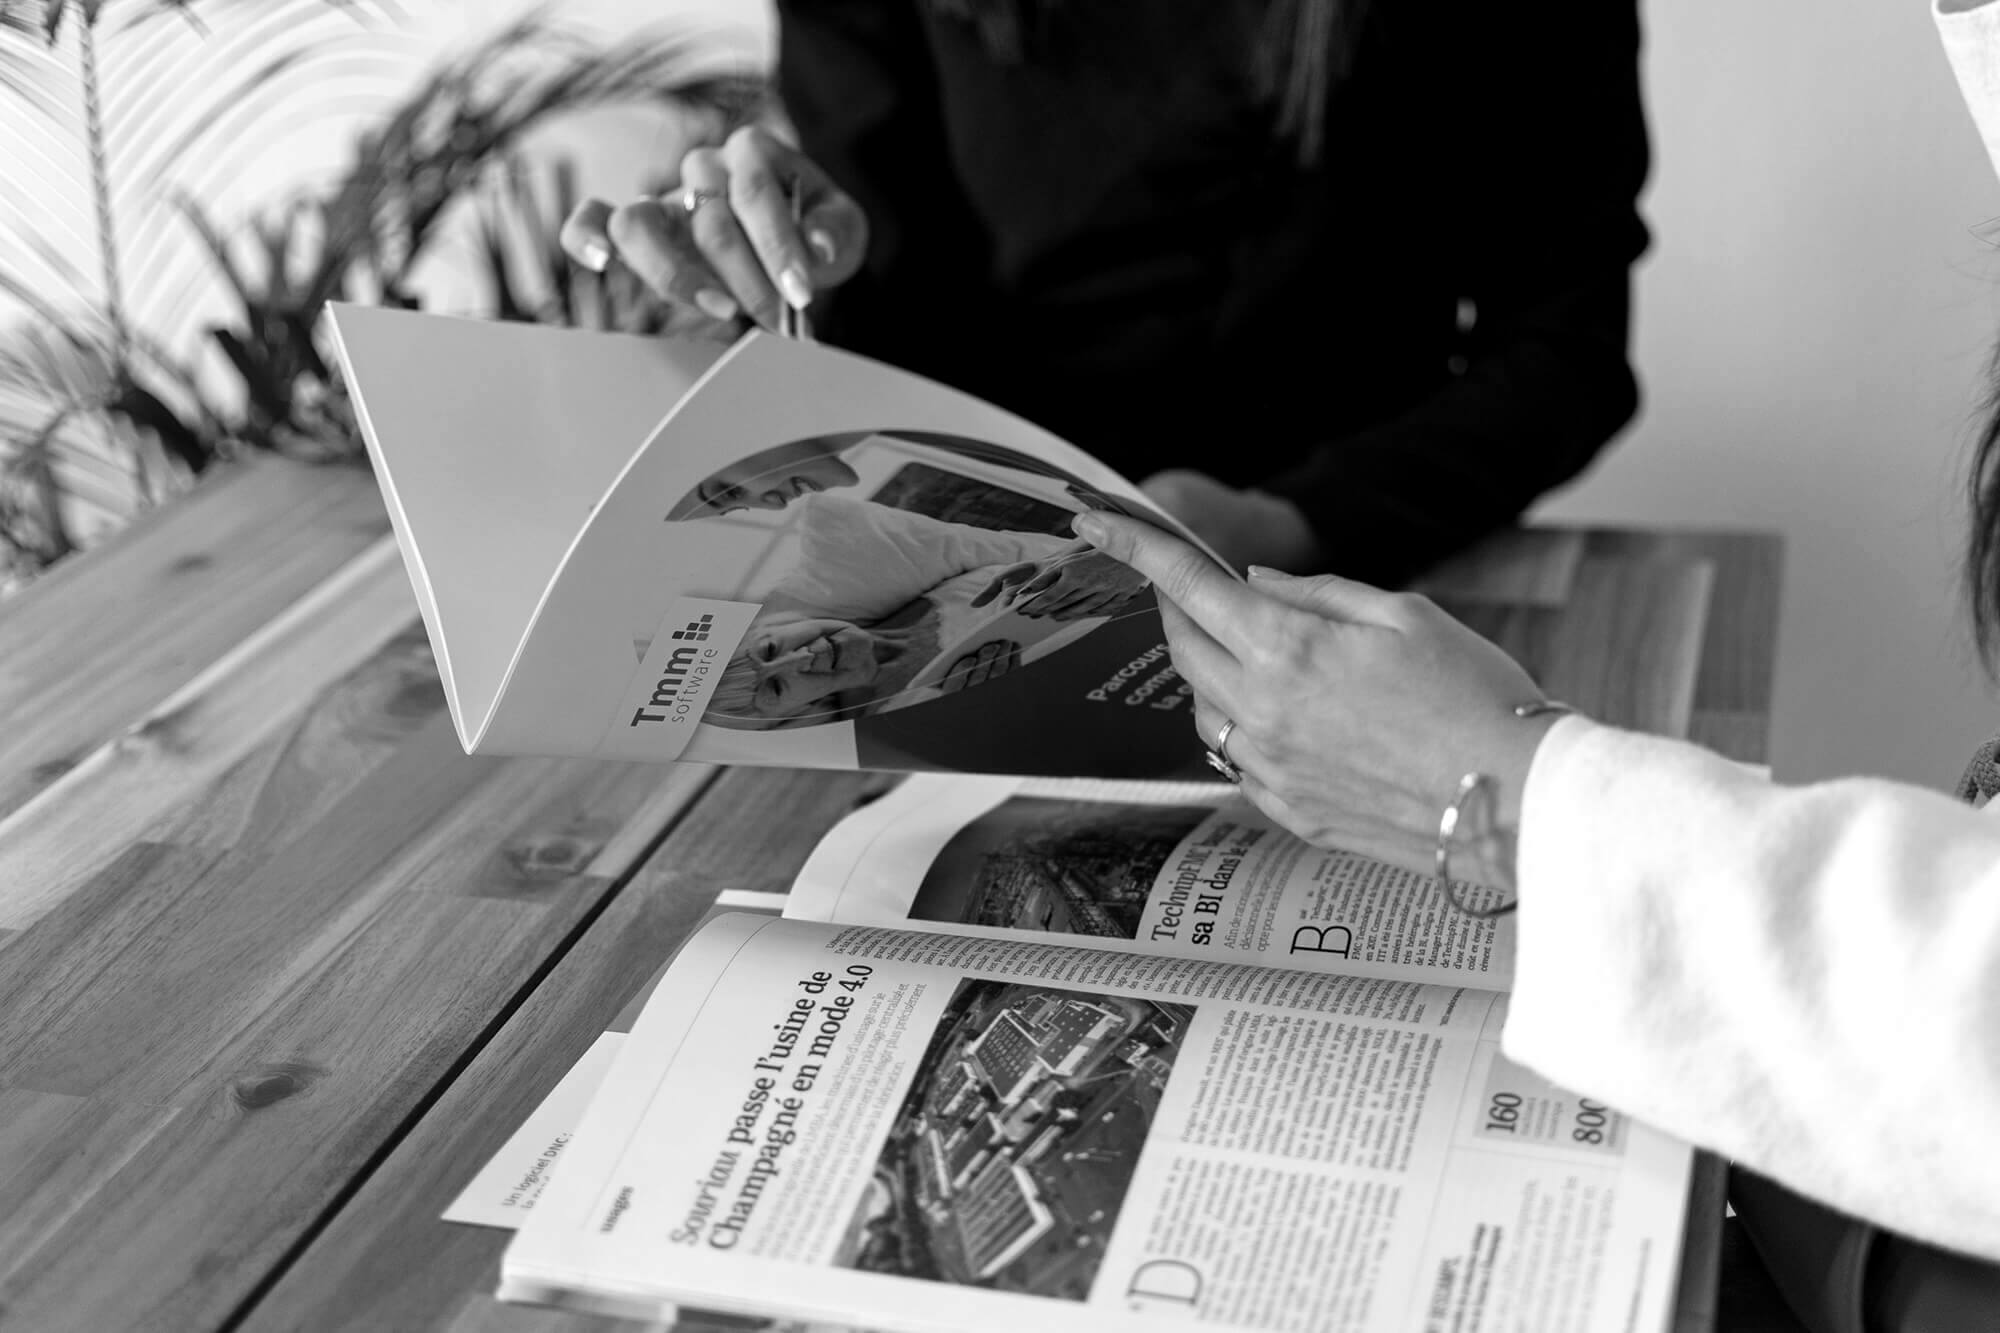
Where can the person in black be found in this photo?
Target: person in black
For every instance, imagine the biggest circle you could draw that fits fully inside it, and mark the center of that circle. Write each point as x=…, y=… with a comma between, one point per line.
x=1348, y=286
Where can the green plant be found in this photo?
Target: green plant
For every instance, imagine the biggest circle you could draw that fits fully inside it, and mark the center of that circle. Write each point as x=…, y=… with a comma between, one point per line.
x=454, y=141
x=65, y=385
x=80, y=385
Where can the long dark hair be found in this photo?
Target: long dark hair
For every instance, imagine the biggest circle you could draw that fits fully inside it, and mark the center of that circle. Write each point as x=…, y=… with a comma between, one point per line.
x=1305, y=48
x=1982, y=549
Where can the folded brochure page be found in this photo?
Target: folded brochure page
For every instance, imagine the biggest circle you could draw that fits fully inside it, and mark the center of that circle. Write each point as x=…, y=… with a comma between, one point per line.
x=908, y=1129
x=772, y=552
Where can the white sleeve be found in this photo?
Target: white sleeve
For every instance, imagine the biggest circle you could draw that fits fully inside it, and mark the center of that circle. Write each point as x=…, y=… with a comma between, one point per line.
x=1804, y=979
x=860, y=560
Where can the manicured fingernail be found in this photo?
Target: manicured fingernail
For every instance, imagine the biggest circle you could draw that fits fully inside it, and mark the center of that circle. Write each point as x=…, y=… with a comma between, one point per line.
x=822, y=245
x=596, y=256
x=798, y=292
x=796, y=287
x=1265, y=572
x=715, y=303
x=1089, y=527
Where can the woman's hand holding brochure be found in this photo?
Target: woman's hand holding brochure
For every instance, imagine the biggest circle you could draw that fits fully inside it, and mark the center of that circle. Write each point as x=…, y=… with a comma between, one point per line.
x=1356, y=712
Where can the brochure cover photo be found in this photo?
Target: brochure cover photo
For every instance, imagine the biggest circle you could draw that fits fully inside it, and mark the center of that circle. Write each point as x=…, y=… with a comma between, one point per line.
x=773, y=552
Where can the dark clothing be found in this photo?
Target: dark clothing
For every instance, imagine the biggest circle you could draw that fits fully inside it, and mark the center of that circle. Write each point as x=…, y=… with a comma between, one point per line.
x=1107, y=238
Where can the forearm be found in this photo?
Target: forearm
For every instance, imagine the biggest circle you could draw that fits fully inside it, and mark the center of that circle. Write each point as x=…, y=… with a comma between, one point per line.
x=1804, y=979
x=940, y=549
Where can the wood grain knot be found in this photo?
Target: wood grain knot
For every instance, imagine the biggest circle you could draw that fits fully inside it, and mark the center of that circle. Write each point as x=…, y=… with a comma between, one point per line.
x=42, y=774
x=551, y=856
x=271, y=1084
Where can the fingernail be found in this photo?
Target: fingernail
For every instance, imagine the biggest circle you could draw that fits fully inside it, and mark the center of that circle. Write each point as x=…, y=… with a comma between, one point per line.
x=1265, y=572
x=1089, y=527
x=798, y=292
x=715, y=303
x=822, y=245
x=596, y=256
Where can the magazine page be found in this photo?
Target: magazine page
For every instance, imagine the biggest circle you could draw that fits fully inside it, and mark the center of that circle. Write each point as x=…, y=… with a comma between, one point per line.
x=1182, y=869
x=491, y=442
x=911, y=1131
x=823, y=561
x=505, y=1189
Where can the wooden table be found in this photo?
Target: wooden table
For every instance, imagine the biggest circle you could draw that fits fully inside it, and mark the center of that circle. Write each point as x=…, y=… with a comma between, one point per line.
x=280, y=966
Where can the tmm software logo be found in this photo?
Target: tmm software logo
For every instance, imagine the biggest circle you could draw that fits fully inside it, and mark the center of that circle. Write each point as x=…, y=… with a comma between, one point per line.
x=695, y=630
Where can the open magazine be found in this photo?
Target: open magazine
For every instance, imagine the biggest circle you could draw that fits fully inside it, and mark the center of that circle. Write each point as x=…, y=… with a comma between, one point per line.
x=769, y=552
x=1098, y=1056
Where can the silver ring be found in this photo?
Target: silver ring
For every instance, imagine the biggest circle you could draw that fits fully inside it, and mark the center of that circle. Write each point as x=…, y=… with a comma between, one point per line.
x=1218, y=754
x=692, y=199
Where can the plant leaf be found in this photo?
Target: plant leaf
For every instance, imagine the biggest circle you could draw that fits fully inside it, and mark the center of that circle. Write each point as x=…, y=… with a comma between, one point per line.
x=27, y=69
x=217, y=246
x=147, y=412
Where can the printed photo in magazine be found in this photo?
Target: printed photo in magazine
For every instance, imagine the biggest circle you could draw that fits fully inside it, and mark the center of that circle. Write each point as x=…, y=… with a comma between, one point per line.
x=894, y=569
x=908, y=1131
x=1181, y=869
x=1009, y=1161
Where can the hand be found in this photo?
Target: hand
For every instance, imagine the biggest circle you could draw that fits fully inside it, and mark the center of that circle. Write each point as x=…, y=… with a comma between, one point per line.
x=989, y=662
x=739, y=251
x=1247, y=527
x=1075, y=583
x=1357, y=711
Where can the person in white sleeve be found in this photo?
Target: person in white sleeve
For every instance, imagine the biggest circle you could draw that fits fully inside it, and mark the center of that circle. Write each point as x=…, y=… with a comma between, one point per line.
x=1803, y=979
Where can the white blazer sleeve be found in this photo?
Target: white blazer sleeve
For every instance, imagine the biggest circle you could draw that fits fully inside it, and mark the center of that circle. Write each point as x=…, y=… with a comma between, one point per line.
x=1804, y=979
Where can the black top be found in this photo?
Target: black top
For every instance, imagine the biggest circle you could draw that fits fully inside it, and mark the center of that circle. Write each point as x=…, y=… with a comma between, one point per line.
x=1108, y=238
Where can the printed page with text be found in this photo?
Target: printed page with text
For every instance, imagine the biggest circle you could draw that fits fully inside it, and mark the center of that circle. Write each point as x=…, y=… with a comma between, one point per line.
x=1186, y=869
x=909, y=1131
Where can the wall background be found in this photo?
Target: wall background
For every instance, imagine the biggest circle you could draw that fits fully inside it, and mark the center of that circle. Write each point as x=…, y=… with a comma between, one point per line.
x=1814, y=323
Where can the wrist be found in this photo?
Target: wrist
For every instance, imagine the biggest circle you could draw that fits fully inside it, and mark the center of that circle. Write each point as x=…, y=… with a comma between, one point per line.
x=1519, y=744
x=1484, y=848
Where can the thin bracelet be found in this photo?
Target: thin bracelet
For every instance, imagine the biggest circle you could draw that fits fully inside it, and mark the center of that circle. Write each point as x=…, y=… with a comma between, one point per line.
x=1448, y=823
x=1447, y=829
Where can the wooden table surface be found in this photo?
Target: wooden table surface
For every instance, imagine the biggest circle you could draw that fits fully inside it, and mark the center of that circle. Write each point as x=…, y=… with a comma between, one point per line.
x=281, y=967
